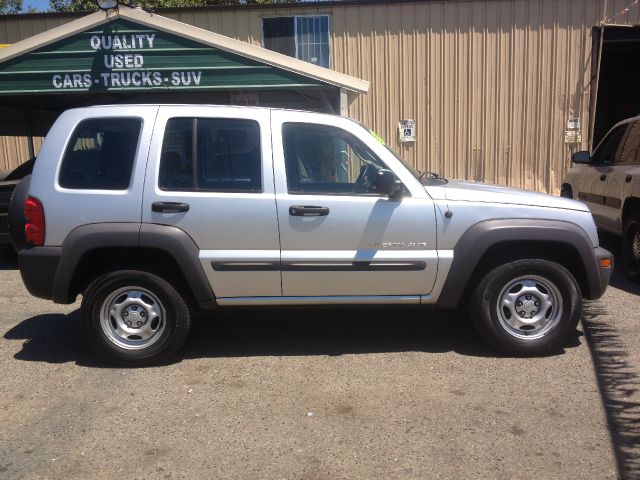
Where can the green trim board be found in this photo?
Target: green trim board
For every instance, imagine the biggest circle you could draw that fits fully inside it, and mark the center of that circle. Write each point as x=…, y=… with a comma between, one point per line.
x=122, y=55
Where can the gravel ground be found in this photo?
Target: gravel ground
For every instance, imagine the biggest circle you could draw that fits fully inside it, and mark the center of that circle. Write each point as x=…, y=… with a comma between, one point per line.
x=320, y=394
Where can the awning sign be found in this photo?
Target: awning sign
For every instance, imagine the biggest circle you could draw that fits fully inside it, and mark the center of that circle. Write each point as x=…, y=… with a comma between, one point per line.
x=124, y=56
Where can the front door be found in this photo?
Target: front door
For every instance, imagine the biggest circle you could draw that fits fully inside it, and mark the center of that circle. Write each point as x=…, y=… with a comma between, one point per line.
x=592, y=190
x=338, y=236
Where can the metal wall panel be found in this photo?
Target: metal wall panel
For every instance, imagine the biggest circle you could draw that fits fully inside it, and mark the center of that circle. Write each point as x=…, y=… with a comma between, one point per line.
x=491, y=83
x=14, y=150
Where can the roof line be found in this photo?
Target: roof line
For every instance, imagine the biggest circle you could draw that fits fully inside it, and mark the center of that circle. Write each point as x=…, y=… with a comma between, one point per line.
x=245, y=6
x=196, y=34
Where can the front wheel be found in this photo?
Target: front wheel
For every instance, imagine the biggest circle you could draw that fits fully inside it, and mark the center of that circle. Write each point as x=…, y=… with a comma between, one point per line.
x=527, y=307
x=134, y=318
x=631, y=247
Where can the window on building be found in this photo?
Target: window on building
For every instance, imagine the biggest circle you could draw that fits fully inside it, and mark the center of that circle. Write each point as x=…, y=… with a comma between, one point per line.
x=100, y=154
x=226, y=156
x=306, y=37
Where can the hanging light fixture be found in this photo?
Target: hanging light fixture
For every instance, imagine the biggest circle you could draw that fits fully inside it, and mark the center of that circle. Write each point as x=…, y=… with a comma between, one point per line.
x=107, y=4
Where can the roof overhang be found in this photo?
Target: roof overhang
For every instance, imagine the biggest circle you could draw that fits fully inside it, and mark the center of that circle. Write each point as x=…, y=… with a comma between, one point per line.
x=188, y=32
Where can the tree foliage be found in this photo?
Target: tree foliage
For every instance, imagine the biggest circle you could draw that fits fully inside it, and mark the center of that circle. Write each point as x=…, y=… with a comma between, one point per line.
x=13, y=6
x=90, y=5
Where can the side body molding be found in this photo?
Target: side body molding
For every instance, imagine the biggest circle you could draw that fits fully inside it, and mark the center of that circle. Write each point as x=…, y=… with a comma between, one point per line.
x=477, y=240
x=171, y=240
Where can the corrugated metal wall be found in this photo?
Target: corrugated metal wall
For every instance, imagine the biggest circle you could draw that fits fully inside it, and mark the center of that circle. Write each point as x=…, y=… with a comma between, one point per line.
x=491, y=84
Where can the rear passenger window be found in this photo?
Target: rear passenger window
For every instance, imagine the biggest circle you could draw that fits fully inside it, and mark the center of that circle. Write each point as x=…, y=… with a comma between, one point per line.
x=100, y=154
x=211, y=154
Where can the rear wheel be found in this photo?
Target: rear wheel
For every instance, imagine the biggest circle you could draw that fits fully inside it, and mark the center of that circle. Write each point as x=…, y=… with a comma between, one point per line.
x=134, y=318
x=631, y=246
x=527, y=307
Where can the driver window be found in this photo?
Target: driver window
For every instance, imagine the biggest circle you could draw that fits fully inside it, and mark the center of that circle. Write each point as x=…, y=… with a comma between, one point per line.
x=327, y=160
x=609, y=149
x=629, y=151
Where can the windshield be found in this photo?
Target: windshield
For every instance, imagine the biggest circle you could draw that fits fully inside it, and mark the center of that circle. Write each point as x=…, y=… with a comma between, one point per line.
x=426, y=178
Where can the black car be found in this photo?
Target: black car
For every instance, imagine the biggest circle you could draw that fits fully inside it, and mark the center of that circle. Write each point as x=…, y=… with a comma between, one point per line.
x=7, y=186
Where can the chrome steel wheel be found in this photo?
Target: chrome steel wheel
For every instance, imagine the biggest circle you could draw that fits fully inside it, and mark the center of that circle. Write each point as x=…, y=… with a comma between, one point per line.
x=529, y=307
x=132, y=318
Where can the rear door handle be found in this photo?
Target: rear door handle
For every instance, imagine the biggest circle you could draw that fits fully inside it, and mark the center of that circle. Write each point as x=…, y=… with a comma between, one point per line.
x=308, y=211
x=628, y=179
x=169, y=207
x=603, y=178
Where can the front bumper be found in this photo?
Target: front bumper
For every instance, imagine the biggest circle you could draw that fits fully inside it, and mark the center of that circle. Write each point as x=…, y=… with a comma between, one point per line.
x=599, y=284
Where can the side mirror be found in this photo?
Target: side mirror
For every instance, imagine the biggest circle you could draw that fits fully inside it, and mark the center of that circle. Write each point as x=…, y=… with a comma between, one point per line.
x=387, y=183
x=581, y=157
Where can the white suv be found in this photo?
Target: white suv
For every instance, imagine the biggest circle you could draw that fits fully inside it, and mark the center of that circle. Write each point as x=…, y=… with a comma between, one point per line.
x=608, y=181
x=152, y=212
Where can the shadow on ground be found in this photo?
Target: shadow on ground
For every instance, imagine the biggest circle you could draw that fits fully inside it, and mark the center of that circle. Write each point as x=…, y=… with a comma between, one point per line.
x=619, y=280
x=619, y=385
x=282, y=332
x=8, y=260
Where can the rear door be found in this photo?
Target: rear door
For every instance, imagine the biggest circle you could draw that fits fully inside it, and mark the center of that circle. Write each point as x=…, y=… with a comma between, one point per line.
x=215, y=165
x=339, y=237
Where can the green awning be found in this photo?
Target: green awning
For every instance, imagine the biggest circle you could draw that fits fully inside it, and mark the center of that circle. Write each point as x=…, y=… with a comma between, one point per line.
x=124, y=56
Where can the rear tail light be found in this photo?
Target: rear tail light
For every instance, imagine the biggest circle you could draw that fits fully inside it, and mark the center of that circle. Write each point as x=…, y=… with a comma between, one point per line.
x=34, y=229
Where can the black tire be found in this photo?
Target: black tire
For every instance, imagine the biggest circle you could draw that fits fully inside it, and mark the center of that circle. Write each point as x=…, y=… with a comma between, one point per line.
x=566, y=191
x=631, y=246
x=541, y=276
x=16, y=214
x=158, y=295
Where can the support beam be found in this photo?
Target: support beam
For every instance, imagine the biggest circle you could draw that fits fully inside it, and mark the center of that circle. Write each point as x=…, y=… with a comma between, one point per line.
x=344, y=103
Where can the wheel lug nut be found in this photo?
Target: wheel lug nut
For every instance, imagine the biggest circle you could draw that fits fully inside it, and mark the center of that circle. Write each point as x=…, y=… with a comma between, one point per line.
x=138, y=323
x=134, y=308
x=126, y=314
x=142, y=314
x=518, y=303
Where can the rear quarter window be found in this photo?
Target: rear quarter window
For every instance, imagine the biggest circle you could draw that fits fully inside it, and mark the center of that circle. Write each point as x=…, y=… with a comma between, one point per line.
x=100, y=154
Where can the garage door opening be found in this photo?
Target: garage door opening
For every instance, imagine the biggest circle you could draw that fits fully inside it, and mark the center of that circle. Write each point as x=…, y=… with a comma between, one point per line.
x=618, y=94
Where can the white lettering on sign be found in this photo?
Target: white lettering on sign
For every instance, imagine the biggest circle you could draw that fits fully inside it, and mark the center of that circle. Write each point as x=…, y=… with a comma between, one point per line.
x=127, y=60
x=127, y=64
x=122, y=42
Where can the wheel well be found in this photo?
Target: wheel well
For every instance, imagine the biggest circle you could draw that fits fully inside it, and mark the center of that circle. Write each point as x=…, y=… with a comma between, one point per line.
x=102, y=260
x=566, y=186
x=631, y=204
x=503, y=252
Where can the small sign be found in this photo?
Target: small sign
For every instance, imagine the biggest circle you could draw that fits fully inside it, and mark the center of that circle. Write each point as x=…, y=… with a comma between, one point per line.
x=407, y=129
x=572, y=136
x=244, y=98
x=573, y=124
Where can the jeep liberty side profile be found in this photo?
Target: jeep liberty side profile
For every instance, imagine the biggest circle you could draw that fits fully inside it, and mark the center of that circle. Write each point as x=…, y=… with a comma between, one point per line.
x=154, y=212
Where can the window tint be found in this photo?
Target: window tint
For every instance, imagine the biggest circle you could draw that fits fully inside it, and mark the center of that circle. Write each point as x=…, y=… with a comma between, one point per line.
x=327, y=160
x=606, y=152
x=630, y=149
x=100, y=154
x=206, y=154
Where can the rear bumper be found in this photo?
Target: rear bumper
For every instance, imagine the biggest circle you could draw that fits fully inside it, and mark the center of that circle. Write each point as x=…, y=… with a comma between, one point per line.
x=38, y=266
x=600, y=280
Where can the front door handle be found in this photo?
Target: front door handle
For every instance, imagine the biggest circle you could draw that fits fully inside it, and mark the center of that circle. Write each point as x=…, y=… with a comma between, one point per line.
x=603, y=178
x=169, y=207
x=308, y=211
x=628, y=179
